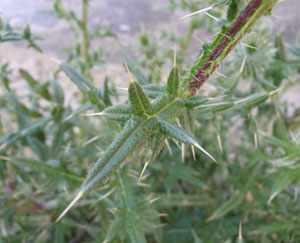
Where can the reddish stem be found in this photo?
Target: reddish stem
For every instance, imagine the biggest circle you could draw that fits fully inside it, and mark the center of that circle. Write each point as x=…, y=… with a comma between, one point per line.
x=203, y=74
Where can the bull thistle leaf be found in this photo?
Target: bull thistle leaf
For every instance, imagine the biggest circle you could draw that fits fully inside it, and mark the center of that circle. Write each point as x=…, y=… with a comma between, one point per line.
x=118, y=112
x=138, y=99
x=195, y=101
x=173, y=82
x=135, y=131
x=251, y=101
x=181, y=135
x=153, y=90
x=82, y=83
x=227, y=206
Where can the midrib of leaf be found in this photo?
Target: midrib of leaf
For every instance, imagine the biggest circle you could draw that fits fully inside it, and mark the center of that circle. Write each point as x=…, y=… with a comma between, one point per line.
x=139, y=98
x=163, y=109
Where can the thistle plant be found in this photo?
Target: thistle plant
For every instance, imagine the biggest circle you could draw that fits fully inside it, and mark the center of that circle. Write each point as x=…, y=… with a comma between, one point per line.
x=7, y=33
x=211, y=163
x=170, y=115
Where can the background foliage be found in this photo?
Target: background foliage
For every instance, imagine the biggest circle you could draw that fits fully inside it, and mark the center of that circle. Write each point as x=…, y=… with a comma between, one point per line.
x=47, y=147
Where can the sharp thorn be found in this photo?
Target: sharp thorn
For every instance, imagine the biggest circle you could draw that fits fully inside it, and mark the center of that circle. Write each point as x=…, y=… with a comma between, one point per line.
x=193, y=152
x=182, y=152
x=128, y=71
x=197, y=12
x=220, y=142
x=205, y=152
x=79, y=195
x=143, y=170
x=243, y=64
x=94, y=114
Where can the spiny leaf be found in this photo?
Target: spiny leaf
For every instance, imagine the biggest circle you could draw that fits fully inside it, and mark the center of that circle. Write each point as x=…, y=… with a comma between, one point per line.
x=295, y=50
x=181, y=135
x=281, y=181
x=77, y=111
x=75, y=76
x=132, y=219
x=42, y=167
x=169, y=200
x=85, y=86
x=279, y=129
x=174, y=109
x=115, y=226
x=251, y=101
x=138, y=99
x=134, y=132
x=22, y=110
x=58, y=139
x=282, y=226
x=173, y=82
x=158, y=142
x=184, y=173
x=38, y=147
x=160, y=102
x=95, y=100
x=228, y=206
x=58, y=93
x=288, y=146
x=118, y=112
x=189, y=121
x=32, y=127
x=106, y=91
x=134, y=228
x=82, y=83
x=153, y=90
x=59, y=233
x=280, y=50
x=30, y=80
x=214, y=106
x=195, y=101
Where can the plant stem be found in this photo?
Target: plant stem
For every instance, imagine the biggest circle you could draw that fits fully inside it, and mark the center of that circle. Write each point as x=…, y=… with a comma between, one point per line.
x=225, y=42
x=85, y=30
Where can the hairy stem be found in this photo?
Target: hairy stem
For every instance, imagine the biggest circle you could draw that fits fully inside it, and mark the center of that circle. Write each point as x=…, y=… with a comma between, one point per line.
x=224, y=43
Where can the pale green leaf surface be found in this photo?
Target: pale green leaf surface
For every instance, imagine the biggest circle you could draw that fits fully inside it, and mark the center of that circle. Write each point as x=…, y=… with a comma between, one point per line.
x=181, y=135
x=281, y=181
x=173, y=81
x=228, y=206
x=120, y=112
x=134, y=228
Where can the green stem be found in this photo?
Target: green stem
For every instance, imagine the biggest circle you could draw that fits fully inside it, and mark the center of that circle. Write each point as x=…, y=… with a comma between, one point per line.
x=85, y=30
x=215, y=53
